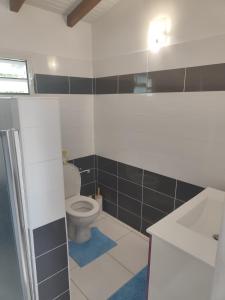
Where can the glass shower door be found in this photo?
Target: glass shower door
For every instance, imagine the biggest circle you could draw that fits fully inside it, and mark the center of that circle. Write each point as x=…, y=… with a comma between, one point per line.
x=13, y=270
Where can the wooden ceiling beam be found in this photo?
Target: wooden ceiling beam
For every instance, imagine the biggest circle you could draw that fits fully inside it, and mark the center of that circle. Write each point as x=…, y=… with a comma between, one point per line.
x=15, y=5
x=80, y=11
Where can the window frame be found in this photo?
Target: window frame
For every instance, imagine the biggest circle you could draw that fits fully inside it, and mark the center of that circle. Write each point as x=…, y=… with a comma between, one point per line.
x=14, y=78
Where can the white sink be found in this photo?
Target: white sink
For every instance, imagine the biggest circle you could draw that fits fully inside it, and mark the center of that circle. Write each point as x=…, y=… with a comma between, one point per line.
x=206, y=217
x=192, y=226
x=183, y=251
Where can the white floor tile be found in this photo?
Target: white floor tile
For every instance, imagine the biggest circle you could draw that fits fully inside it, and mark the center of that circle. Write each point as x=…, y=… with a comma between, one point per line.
x=75, y=293
x=111, y=228
x=72, y=264
x=100, y=216
x=131, y=252
x=101, y=278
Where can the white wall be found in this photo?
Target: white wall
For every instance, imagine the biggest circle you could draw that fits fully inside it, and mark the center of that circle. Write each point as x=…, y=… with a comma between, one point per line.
x=39, y=32
x=39, y=124
x=51, y=47
x=124, y=28
x=77, y=123
x=174, y=134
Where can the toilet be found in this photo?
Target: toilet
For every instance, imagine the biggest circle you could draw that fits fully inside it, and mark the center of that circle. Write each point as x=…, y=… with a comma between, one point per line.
x=81, y=211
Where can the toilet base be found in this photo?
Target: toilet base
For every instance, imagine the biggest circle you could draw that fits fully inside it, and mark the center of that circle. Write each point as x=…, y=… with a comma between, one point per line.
x=79, y=234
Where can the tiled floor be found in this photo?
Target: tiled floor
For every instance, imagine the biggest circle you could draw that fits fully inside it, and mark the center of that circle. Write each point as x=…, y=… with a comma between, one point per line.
x=105, y=275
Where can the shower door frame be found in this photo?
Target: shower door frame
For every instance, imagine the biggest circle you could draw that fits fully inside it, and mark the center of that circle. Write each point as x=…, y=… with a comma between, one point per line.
x=13, y=163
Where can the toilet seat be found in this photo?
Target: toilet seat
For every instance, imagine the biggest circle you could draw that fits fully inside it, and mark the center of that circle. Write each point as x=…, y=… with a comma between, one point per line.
x=81, y=206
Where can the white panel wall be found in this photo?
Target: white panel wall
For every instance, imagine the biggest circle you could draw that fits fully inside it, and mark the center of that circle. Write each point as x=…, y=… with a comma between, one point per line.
x=41, y=144
x=77, y=125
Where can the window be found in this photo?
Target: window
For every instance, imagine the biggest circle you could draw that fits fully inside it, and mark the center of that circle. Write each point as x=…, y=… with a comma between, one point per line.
x=13, y=77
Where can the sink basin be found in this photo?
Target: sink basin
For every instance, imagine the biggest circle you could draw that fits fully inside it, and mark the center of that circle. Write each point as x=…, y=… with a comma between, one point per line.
x=183, y=249
x=205, y=218
x=192, y=226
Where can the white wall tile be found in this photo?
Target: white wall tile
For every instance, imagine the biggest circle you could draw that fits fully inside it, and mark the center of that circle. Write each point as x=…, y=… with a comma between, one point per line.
x=122, y=64
x=178, y=134
x=77, y=125
x=38, y=111
x=45, y=192
x=41, y=145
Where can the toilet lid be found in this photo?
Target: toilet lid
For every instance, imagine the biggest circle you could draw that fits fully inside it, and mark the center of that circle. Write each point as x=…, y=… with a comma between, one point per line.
x=81, y=206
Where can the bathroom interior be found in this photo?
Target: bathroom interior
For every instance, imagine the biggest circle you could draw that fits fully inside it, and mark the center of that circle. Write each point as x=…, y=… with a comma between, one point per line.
x=112, y=150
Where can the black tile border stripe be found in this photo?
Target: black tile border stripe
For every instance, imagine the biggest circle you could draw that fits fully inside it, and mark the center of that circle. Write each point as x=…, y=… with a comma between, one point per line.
x=190, y=79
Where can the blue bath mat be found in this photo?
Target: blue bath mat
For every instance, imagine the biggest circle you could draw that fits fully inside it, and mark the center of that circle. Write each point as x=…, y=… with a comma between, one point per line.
x=135, y=289
x=85, y=253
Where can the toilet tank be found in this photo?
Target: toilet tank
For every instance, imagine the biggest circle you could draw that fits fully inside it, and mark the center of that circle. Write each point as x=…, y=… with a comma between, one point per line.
x=72, y=180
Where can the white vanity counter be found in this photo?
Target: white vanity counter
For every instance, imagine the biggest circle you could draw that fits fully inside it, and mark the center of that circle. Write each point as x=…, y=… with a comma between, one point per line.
x=184, y=250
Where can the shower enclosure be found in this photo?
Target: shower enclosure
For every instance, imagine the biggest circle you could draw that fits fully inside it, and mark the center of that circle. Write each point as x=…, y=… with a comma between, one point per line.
x=16, y=281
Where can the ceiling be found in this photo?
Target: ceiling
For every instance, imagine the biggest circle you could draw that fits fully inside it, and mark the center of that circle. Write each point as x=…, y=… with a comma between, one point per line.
x=66, y=6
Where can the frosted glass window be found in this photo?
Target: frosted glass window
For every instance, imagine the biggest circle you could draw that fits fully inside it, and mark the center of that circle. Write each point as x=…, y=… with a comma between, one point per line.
x=13, y=77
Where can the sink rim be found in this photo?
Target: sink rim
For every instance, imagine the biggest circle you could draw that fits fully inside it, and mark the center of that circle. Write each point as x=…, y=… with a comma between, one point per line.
x=193, y=243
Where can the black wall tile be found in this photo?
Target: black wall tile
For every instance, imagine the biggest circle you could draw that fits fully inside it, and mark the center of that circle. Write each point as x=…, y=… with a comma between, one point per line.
x=151, y=215
x=107, y=165
x=129, y=218
x=130, y=189
x=186, y=191
x=88, y=177
x=106, y=85
x=108, y=194
x=85, y=163
x=178, y=203
x=144, y=226
x=51, y=84
x=160, y=183
x=88, y=189
x=130, y=173
x=129, y=204
x=54, y=286
x=166, y=81
x=107, y=179
x=79, y=85
x=65, y=296
x=157, y=200
x=52, y=262
x=133, y=83
x=206, y=78
x=149, y=201
x=110, y=208
x=49, y=236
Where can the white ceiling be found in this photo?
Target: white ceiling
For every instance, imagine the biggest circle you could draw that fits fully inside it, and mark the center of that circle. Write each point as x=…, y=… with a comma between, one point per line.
x=65, y=6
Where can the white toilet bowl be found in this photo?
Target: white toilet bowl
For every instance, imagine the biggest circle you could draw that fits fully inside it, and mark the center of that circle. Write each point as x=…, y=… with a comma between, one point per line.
x=81, y=211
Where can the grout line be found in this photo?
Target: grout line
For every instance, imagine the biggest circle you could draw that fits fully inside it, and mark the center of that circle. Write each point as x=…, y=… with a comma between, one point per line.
x=142, y=200
x=117, y=192
x=69, y=85
x=120, y=263
x=57, y=297
x=39, y=283
x=138, y=183
x=82, y=292
x=91, y=182
x=185, y=76
x=132, y=199
x=165, y=212
x=175, y=195
x=123, y=236
x=50, y=250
